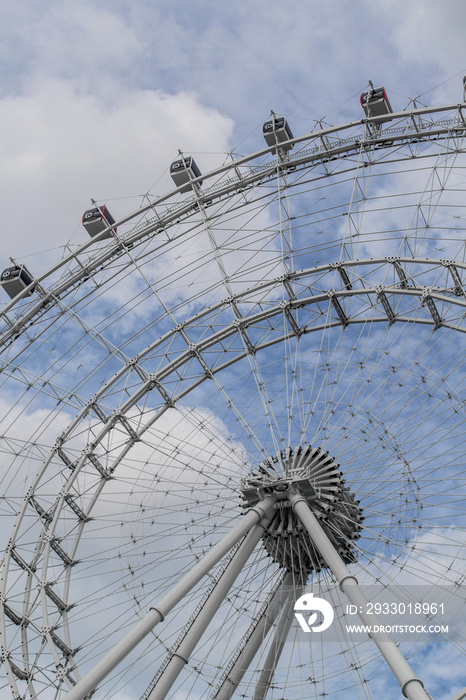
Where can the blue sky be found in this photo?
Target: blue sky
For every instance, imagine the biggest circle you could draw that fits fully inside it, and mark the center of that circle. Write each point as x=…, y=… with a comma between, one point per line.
x=97, y=98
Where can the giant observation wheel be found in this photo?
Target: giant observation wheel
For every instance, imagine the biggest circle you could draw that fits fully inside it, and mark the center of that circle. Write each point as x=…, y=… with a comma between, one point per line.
x=283, y=337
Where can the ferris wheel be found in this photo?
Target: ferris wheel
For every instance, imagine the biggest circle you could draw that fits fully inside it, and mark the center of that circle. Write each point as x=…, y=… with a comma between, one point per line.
x=246, y=397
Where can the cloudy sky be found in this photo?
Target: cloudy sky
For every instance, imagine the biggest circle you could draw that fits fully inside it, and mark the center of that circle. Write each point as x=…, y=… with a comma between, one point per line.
x=97, y=97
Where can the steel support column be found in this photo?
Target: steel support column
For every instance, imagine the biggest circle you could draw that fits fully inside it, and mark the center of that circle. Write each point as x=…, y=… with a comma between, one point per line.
x=200, y=624
x=253, y=643
x=276, y=647
x=460, y=695
x=411, y=686
x=158, y=612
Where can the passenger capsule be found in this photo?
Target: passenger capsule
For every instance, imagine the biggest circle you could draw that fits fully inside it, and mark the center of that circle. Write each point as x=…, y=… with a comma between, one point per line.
x=183, y=172
x=15, y=279
x=375, y=102
x=276, y=131
x=98, y=219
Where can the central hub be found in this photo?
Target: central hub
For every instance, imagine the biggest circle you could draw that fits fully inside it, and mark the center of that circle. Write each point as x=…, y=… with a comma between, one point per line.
x=316, y=476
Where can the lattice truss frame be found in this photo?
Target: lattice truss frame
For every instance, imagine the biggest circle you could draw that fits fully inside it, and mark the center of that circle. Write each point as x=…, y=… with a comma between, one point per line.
x=238, y=322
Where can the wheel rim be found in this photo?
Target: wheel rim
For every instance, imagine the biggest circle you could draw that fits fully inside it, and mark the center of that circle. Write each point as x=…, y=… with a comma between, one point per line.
x=291, y=356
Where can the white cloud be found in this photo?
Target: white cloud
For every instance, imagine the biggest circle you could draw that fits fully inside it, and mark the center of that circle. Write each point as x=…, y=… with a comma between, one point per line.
x=104, y=95
x=65, y=147
x=94, y=43
x=99, y=99
x=430, y=34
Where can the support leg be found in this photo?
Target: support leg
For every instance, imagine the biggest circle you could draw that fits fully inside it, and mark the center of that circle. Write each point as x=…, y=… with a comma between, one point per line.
x=253, y=643
x=461, y=695
x=158, y=612
x=276, y=648
x=411, y=686
x=181, y=655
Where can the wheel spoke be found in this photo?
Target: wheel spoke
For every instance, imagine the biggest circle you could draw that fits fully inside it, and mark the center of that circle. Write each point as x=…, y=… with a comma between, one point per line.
x=300, y=316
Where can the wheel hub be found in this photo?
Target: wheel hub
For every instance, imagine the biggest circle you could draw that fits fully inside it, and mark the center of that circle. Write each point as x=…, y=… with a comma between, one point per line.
x=316, y=476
